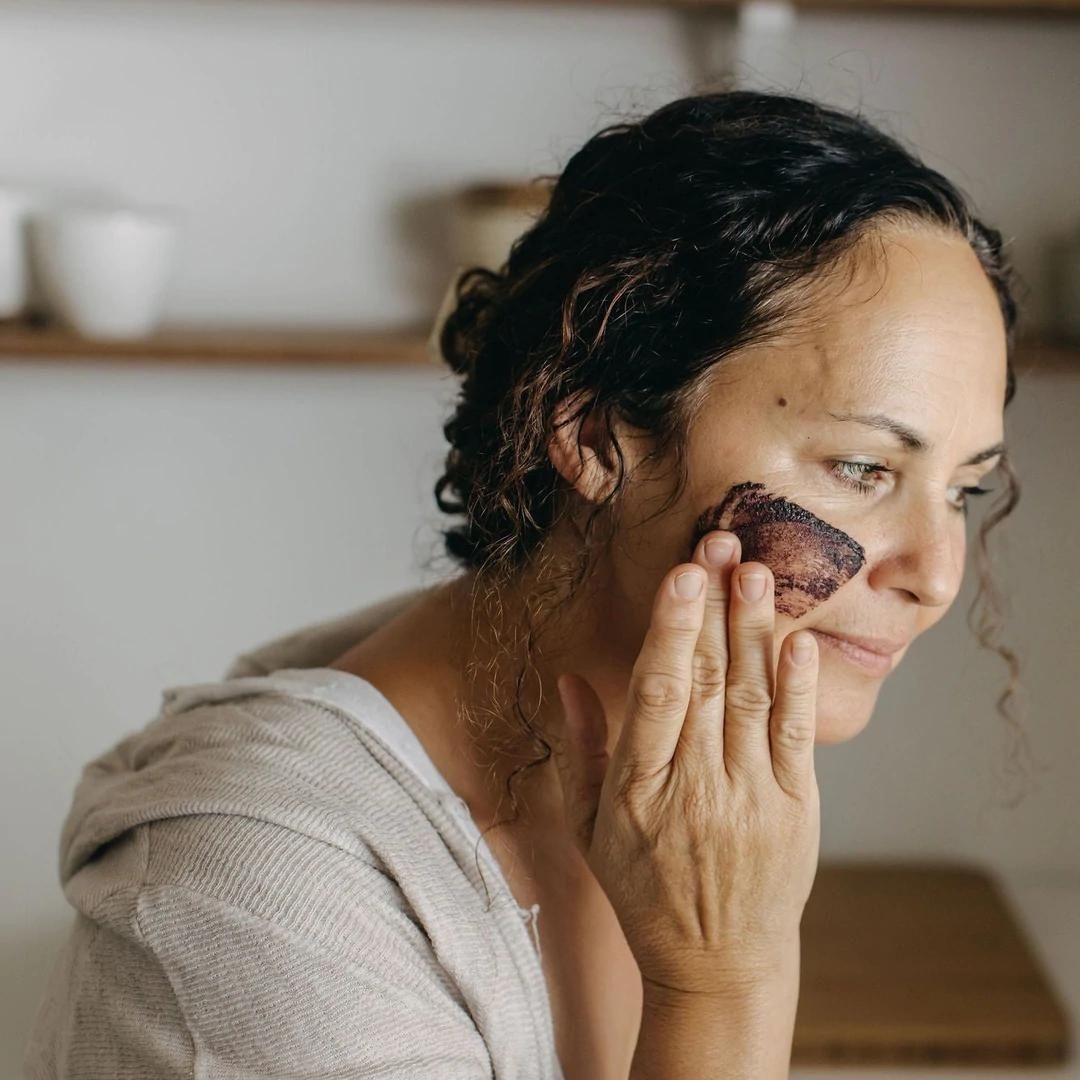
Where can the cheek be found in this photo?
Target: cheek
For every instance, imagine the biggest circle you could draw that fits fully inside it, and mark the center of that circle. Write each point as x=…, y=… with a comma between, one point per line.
x=807, y=566
x=809, y=558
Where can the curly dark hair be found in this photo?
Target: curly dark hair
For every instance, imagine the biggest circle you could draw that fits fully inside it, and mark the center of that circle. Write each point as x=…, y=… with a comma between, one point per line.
x=668, y=242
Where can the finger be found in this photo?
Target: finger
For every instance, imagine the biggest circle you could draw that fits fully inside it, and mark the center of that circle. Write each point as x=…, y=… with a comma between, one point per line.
x=703, y=730
x=583, y=762
x=748, y=699
x=659, y=689
x=793, y=722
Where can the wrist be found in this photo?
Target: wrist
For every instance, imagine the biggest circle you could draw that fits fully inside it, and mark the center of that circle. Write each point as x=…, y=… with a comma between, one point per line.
x=746, y=978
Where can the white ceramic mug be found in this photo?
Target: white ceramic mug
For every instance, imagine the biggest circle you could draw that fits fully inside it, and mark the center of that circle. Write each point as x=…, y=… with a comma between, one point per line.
x=104, y=270
x=490, y=216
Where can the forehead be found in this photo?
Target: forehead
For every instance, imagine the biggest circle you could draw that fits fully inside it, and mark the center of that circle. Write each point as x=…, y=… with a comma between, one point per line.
x=910, y=325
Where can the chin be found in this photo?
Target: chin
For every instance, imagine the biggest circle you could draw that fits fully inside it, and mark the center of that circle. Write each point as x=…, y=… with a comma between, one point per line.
x=838, y=729
x=844, y=707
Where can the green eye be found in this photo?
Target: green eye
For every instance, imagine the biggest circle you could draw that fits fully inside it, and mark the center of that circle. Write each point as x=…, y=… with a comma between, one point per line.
x=962, y=507
x=853, y=473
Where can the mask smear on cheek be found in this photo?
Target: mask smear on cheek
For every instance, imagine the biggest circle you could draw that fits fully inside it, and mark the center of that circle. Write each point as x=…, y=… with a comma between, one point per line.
x=809, y=558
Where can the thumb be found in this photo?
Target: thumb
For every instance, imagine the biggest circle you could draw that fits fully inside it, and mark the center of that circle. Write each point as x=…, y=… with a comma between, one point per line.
x=583, y=763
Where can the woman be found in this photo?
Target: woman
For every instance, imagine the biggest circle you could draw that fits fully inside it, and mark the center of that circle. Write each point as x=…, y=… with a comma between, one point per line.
x=737, y=383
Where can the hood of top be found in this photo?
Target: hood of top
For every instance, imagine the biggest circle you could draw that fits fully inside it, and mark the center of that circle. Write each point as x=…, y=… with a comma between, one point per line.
x=220, y=762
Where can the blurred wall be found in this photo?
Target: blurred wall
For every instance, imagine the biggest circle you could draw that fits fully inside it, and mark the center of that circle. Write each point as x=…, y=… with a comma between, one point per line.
x=159, y=520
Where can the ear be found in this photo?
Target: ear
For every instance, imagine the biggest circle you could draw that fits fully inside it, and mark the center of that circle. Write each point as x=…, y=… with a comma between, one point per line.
x=586, y=468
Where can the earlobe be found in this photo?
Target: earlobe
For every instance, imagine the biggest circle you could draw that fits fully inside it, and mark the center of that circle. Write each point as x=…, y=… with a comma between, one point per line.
x=579, y=465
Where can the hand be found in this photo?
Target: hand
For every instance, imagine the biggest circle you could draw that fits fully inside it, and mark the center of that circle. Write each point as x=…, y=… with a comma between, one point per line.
x=703, y=828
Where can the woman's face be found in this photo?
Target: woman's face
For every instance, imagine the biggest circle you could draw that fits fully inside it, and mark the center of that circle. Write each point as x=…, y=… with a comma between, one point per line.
x=903, y=378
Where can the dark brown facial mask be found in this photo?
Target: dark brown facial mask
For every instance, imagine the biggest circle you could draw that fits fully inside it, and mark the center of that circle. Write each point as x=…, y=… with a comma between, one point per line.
x=809, y=558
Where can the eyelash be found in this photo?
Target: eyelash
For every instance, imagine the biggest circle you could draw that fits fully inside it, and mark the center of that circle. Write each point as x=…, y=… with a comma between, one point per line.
x=865, y=468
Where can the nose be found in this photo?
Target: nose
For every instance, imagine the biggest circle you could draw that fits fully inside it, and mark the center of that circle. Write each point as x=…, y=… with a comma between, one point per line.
x=924, y=556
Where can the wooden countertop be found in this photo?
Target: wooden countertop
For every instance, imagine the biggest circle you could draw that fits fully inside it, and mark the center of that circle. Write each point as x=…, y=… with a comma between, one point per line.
x=1047, y=911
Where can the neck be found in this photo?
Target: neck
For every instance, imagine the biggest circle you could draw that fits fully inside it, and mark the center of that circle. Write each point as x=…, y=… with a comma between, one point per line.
x=491, y=655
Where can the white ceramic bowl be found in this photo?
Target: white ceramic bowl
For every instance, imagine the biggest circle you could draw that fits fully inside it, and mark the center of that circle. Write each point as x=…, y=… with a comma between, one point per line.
x=104, y=270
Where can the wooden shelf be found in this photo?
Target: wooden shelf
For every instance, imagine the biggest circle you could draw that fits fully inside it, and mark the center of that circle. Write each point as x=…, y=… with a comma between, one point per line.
x=1016, y=7
x=351, y=346
x=224, y=345
x=1034, y=355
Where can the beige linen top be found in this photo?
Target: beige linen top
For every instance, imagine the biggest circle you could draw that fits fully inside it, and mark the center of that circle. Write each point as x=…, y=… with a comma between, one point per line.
x=272, y=879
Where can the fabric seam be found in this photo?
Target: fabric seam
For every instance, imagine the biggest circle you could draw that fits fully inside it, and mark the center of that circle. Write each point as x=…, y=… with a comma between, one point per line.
x=164, y=970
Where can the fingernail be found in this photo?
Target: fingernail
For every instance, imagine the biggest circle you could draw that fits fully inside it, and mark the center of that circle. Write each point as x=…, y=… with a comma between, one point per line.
x=802, y=649
x=688, y=584
x=752, y=586
x=718, y=551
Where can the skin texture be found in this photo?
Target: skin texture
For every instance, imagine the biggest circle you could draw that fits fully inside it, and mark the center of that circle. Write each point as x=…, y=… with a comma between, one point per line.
x=914, y=332
x=809, y=558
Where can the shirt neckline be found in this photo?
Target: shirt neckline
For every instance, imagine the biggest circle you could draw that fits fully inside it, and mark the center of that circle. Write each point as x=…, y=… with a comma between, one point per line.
x=343, y=688
x=367, y=706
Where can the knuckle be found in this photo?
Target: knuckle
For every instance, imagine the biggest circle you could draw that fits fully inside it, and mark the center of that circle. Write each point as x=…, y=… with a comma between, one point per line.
x=749, y=695
x=794, y=735
x=709, y=675
x=716, y=601
x=679, y=630
x=656, y=691
x=755, y=623
x=633, y=798
x=802, y=692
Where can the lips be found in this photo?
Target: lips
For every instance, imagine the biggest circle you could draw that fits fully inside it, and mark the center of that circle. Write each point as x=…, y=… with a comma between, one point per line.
x=881, y=645
x=876, y=661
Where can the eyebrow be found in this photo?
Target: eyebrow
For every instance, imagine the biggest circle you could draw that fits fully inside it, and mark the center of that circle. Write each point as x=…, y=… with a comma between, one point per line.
x=909, y=437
